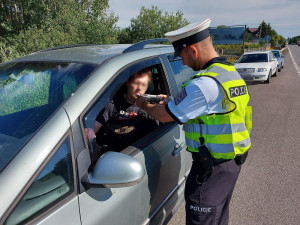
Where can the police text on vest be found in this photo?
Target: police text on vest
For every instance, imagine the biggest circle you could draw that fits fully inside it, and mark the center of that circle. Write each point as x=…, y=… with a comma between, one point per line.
x=238, y=91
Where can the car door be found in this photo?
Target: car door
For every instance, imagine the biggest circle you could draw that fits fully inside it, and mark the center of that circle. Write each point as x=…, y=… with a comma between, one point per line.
x=160, y=152
x=273, y=62
x=180, y=74
x=51, y=197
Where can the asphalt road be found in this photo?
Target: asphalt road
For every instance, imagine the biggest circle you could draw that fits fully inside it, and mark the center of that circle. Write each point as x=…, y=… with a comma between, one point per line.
x=268, y=188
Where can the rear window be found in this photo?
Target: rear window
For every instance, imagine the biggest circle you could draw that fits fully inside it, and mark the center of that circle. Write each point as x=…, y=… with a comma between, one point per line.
x=29, y=94
x=251, y=58
x=276, y=54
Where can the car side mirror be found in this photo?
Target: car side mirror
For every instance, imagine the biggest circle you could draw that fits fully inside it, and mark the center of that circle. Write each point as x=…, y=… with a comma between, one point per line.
x=114, y=169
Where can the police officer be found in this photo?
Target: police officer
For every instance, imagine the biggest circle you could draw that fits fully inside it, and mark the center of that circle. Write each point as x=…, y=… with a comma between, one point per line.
x=212, y=106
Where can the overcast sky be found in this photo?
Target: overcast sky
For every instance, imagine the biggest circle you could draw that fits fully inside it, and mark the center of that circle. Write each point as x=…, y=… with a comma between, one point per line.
x=283, y=15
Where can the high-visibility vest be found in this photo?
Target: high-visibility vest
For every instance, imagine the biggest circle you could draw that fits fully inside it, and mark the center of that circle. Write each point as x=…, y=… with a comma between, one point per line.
x=227, y=134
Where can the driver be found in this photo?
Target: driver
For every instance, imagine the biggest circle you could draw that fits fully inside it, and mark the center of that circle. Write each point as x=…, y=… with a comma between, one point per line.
x=121, y=122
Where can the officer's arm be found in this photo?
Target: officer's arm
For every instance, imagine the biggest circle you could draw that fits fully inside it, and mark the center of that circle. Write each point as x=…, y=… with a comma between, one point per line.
x=157, y=111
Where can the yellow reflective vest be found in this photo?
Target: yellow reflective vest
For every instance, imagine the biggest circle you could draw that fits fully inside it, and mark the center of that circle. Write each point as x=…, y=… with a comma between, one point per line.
x=227, y=134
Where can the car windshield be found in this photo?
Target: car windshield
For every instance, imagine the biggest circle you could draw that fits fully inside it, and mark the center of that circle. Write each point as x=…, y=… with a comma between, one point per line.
x=252, y=58
x=29, y=93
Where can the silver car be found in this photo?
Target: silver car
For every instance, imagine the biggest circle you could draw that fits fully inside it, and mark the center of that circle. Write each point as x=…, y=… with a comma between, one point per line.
x=49, y=174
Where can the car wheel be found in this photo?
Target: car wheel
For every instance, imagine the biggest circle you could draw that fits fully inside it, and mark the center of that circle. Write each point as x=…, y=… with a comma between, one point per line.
x=269, y=78
x=275, y=74
x=279, y=68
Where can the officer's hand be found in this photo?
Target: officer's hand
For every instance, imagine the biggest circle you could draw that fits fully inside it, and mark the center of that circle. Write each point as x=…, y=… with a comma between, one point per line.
x=89, y=134
x=165, y=98
x=141, y=101
x=162, y=96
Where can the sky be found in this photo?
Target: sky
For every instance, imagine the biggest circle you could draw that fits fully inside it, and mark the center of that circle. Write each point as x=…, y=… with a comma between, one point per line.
x=283, y=15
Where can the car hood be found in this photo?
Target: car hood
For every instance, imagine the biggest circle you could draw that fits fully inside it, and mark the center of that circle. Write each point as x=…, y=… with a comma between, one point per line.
x=252, y=65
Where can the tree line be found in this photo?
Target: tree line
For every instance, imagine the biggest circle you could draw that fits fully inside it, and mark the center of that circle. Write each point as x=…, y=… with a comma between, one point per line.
x=294, y=40
x=27, y=26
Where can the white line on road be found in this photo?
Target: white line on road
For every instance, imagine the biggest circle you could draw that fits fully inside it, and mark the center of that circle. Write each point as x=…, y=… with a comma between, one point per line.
x=294, y=62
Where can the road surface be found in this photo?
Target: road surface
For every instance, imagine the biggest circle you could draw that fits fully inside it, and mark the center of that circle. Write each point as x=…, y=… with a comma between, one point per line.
x=268, y=188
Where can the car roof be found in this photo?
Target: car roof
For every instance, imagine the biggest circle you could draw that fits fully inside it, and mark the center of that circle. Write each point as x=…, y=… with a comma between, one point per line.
x=94, y=54
x=256, y=52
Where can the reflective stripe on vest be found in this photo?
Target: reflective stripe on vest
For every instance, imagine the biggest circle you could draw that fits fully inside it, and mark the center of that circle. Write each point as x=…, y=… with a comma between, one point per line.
x=225, y=134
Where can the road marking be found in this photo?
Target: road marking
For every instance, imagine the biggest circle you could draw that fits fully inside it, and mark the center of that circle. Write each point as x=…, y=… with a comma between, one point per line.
x=294, y=62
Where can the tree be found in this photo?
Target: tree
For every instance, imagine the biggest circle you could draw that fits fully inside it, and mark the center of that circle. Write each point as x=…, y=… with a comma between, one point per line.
x=294, y=39
x=101, y=27
x=268, y=29
x=33, y=25
x=262, y=29
x=281, y=40
x=18, y=15
x=274, y=38
x=151, y=23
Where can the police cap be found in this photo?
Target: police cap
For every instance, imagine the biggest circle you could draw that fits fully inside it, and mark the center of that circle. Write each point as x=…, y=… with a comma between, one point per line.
x=188, y=35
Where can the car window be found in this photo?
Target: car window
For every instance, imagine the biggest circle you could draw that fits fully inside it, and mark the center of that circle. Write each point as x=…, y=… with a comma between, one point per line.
x=29, y=94
x=182, y=73
x=118, y=118
x=252, y=58
x=52, y=184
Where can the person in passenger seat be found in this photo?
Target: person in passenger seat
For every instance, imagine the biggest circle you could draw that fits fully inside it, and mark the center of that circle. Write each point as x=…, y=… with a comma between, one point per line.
x=121, y=122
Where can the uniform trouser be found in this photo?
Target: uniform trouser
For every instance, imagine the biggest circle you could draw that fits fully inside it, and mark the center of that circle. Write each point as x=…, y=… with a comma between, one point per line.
x=208, y=195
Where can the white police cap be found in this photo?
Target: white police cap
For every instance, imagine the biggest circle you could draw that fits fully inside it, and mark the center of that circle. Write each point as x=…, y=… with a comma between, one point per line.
x=188, y=35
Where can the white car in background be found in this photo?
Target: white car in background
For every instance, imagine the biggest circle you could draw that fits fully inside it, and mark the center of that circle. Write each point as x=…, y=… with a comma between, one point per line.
x=257, y=66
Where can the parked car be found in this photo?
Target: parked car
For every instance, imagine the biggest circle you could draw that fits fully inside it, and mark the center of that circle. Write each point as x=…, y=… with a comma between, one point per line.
x=257, y=66
x=280, y=59
x=46, y=162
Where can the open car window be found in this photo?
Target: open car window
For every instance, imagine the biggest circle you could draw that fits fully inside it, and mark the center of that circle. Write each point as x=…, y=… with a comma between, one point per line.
x=157, y=85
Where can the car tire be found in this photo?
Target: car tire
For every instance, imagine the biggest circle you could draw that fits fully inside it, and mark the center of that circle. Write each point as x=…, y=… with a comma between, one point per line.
x=279, y=69
x=269, y=78
x=275, y=74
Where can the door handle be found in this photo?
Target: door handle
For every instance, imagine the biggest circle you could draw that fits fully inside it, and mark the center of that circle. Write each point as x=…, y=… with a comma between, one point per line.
x=178, y=149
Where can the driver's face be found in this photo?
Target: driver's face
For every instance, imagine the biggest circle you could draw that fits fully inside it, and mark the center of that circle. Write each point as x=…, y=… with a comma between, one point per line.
x=138, y=85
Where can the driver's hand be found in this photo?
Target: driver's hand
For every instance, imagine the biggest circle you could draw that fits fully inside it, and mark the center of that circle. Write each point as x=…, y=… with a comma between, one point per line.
x=89, y=134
